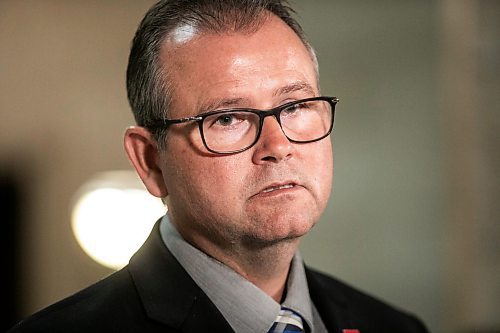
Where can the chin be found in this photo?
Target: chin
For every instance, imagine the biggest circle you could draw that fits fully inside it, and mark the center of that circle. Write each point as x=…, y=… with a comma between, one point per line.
x=274, y=230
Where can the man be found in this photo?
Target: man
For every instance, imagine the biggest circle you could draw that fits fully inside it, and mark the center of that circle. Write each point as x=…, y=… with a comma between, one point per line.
x=234, y=136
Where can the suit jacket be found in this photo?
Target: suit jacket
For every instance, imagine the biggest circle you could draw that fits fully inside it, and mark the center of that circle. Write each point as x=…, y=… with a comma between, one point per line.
x=155, y=294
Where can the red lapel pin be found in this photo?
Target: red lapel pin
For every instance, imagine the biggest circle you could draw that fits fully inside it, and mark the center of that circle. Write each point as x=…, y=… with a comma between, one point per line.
x=350, y=331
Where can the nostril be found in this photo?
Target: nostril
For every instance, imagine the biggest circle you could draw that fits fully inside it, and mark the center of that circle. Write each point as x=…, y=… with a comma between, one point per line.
x=269, y=159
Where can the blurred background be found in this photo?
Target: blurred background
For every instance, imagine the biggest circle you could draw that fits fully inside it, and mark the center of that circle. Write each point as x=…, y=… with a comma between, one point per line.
x=413, y=217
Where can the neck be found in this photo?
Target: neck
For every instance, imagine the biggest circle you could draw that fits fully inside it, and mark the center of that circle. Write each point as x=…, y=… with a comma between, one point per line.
x=266, y=266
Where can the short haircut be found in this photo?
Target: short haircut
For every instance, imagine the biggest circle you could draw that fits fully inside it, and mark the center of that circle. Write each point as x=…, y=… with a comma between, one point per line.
x=148, y=86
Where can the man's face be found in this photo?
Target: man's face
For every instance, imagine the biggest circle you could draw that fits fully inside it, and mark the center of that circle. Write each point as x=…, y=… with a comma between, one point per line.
x=276, y=190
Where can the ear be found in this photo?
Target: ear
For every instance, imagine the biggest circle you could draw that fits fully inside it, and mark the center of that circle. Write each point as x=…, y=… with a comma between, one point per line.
x=142, y=151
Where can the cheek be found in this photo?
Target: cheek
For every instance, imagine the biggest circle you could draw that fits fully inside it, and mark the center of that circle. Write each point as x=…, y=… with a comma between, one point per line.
x=201, y=179
x=321, y=169
x=223, y=180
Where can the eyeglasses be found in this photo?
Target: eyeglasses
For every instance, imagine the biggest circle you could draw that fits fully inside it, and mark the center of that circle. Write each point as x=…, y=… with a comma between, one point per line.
x=232, y=131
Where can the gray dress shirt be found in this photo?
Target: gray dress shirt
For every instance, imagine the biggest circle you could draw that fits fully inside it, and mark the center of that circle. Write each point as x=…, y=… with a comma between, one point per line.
x=245, y=307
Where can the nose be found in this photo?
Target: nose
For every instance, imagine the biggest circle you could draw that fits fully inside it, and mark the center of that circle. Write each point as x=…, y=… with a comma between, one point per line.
x=273, y=146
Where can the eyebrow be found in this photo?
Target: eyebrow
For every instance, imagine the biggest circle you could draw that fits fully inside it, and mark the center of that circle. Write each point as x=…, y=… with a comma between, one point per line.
x=225, y=103
x=293, y=87
x=221, y=103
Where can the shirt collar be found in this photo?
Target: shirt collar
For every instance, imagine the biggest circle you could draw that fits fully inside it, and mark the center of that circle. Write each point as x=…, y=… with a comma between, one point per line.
x=243, y=305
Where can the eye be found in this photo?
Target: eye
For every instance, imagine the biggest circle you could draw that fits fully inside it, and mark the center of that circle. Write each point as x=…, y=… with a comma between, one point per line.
x=295, y=108
x=225, y=120
x=230, y=121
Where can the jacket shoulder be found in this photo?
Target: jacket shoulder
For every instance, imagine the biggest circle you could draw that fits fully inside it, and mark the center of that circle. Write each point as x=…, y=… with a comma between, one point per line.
x=110, y=305
x=365, y=312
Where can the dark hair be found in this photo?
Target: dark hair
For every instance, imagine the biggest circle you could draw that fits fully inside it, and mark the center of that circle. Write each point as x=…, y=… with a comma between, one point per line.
x=148, y=87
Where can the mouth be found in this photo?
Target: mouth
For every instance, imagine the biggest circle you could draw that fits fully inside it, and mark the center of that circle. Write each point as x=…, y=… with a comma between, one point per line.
x=278, y=187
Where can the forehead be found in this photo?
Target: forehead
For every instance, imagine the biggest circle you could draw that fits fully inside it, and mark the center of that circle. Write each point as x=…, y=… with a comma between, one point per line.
x=238, y=65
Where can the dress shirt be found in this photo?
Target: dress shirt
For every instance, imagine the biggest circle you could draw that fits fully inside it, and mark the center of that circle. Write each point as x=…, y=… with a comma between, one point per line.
x=243, y=305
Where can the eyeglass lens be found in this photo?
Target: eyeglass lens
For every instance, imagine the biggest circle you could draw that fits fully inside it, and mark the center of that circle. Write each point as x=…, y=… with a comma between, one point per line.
x=236, y=130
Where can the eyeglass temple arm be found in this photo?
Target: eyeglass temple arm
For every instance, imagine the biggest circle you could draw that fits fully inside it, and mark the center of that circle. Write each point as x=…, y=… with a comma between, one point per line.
x=168, y=122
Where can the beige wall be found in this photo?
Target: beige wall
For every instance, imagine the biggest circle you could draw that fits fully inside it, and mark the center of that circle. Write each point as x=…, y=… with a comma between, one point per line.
x=412, y=217
x=64, y=110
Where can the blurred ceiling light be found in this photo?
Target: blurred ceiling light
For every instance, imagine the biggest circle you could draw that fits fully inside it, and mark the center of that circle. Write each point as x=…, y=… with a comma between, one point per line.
x=112, y=216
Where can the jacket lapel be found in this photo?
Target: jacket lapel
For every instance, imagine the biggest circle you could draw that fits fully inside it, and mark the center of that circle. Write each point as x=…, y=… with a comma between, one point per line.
x=168, y=293
x=330, y=303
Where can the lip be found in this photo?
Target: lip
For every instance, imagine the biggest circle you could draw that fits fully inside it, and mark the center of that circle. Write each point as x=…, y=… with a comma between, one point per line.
x=278, y=189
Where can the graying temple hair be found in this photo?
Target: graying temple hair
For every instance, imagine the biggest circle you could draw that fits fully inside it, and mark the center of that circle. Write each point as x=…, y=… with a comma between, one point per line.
x=148, y=86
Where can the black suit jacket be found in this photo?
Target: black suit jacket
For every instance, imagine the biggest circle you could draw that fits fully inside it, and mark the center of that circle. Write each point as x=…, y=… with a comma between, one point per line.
x=155, y=294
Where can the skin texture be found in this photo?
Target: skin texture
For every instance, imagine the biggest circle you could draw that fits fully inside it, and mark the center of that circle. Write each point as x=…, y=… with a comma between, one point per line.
x=216, y=201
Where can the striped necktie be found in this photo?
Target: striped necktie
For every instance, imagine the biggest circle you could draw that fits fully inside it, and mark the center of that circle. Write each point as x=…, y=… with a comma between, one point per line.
x=287, y=321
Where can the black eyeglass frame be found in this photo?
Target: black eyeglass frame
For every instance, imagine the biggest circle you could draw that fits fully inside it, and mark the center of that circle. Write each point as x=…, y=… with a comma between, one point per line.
x=262, y=114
